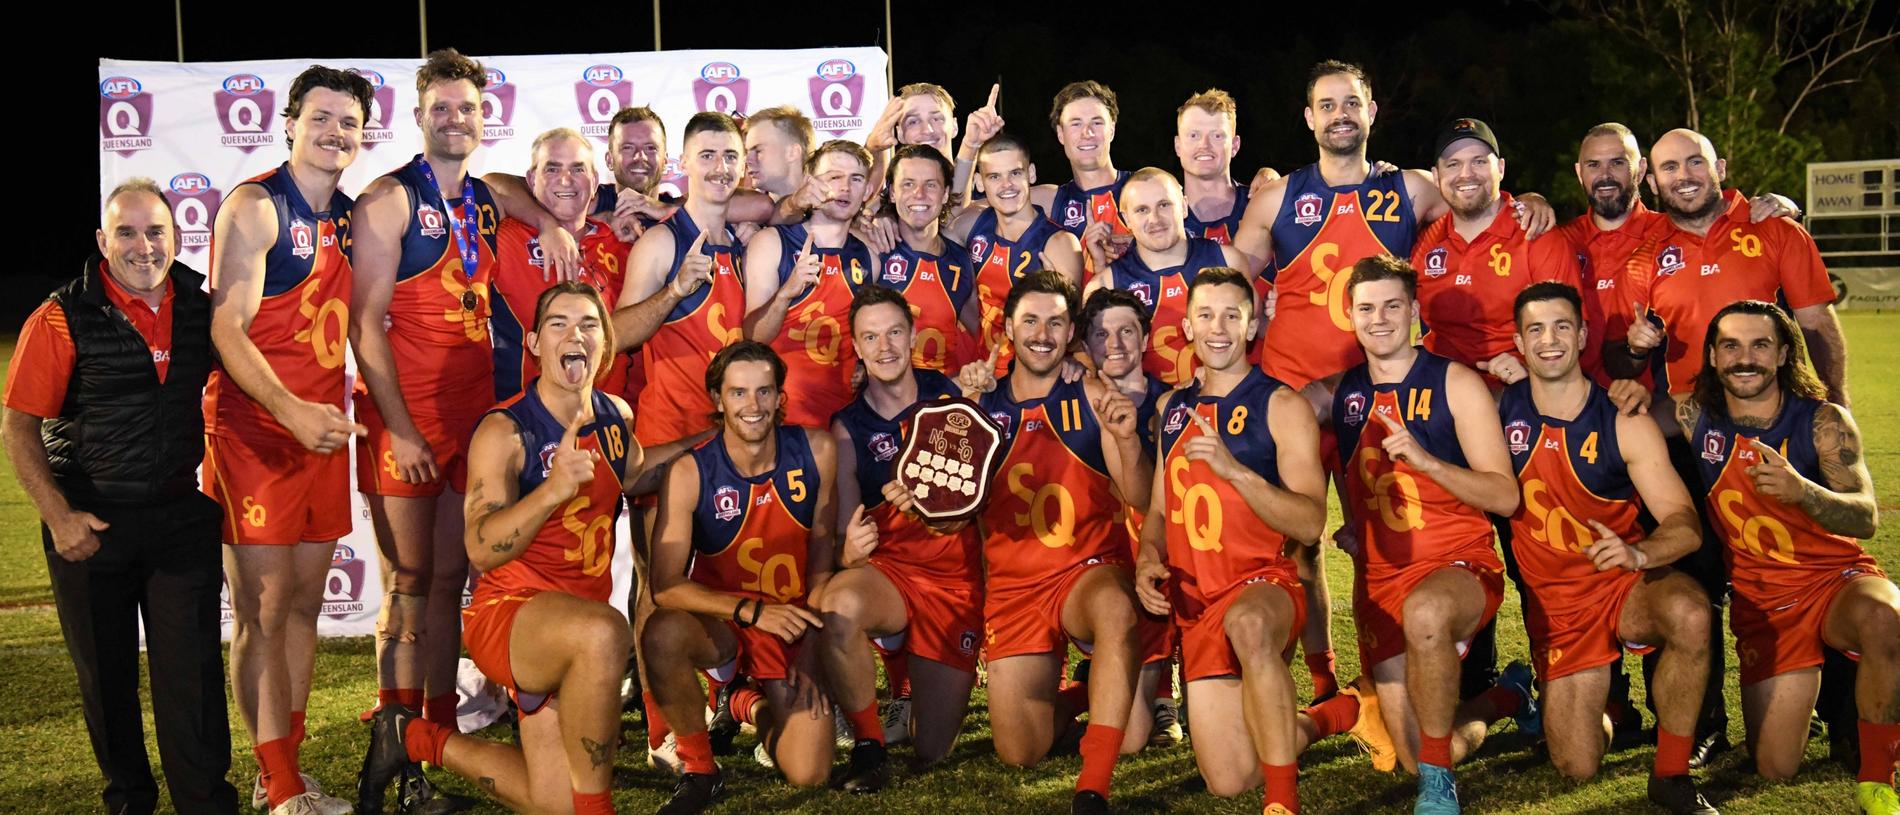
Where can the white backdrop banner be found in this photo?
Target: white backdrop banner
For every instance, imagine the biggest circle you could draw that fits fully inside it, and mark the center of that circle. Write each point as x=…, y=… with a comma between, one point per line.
x=201, y=128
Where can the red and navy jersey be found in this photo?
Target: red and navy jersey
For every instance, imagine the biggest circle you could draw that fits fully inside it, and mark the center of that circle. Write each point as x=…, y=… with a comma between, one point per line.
x=1000, y=262
x=1220, y=230
x=1569, y=473
x=1319, y=233
x=750, y=534
x=1145, y=410
x=303, y=317
x=936, y=286
x=574, y=548
x=1052, y=507
x=674, y=404
x=903, y=539
x=1164, y=292
x=815, y=338
x=1215, y=540
x=1074, y=207
x=1405, y=516
x=1775, y=551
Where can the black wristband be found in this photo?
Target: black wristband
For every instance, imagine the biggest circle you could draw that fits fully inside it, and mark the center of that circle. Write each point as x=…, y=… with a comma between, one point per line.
x=758, y=608
x=738, y=613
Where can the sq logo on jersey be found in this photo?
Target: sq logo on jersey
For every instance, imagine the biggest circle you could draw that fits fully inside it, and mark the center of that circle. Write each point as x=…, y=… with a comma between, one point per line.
x=498, y=108
x=726, y=503
x=601, y=92
x=1670, y=261
x=430, y=222
x=896, y=270
x=1355, y=408
x=1307, y=209
x=245, y=108
x=1142, y=291
x=194, y=209
x=125, y=116
x=883, y=447
x=1713, y=443
x=302, y=240
x=1435, y=262
x=1518, y=435
x=382, y=102
x=721, y=89
x=837, y=92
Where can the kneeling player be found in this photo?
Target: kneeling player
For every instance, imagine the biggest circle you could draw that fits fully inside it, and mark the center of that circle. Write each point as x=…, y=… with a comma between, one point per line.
x=1596, y=581
x=1425, y=460
x=743, y=541
x=546, y=473
x=1213, y=547
x=1789, y=493
x=903, y=584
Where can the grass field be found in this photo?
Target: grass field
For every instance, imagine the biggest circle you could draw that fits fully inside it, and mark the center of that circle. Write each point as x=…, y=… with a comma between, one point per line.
x=46, y=763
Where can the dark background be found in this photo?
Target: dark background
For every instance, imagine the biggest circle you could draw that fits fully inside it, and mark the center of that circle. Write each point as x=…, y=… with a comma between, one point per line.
x=1535, y=71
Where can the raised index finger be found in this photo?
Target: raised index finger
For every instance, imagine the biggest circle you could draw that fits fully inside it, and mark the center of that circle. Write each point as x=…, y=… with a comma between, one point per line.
x=1768, y=454
x=994, y=89
x=1390, y=423
x=1201, y=422
x=698, y=244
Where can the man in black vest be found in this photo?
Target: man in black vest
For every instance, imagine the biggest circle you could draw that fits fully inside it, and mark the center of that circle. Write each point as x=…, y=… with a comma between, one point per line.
x=105, y=429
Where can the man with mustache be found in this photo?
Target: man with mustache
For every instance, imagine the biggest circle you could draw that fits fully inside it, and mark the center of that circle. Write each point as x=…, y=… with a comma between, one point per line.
x=1789, y=493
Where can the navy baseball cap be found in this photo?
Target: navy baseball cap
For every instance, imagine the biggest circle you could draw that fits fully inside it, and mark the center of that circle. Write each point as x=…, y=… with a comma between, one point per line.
x=1460, y=129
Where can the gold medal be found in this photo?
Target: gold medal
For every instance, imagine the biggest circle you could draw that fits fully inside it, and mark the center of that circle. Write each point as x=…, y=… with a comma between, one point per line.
x=469, y=301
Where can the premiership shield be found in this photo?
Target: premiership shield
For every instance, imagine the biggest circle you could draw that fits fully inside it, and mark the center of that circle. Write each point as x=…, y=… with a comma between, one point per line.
x=951, y=450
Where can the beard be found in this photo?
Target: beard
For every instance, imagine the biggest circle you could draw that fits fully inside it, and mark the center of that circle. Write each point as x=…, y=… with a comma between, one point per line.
x=1347, y=145
x=1690, y=212
x=1766, y=379
x=1614, y=207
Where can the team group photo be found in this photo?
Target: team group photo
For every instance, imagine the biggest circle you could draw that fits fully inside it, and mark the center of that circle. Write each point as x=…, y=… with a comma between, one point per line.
x=855, y=429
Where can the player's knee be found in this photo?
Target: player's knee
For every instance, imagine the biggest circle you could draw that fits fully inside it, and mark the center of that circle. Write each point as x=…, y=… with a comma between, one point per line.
x=604, y=637
x=805, y=772
x=1020, y=754
x=1226, y=783
x=667, y=634
x=1576, y=765
x=1427, y=618
x=1777, y=767
x=843, y=603
x=1879, y=627
x=1252, y=629
x=1688, y=617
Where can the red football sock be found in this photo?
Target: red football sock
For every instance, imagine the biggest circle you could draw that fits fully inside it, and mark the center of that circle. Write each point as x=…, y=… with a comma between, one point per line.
x=1282, y=786
x=594, y=803
x=897, y=673
x=407, y=697
x=1334, y=716
x=1504, y=701
x=1101, y=746
x=656, y=721
x=441, y=709
x=277, y=761
x=297, y=731
x=1435, y=750
x=1879, y=746
x=745, y=705
x=866, y=724
x=423, y=740
x=696, y=753
x=1672, y=753
x=1076, y=697
x=1325, y=673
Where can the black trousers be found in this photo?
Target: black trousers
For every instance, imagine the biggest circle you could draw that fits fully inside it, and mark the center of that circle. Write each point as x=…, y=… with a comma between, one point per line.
x=163, y=561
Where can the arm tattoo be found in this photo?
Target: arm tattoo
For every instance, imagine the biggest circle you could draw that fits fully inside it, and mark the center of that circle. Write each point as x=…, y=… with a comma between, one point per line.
x=1839, y=503
x=598, y=753
x=1688, y=412
x=508, y=543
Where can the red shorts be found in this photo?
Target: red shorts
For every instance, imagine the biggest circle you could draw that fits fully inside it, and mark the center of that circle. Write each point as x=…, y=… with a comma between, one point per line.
x=1206, y=652
x=277, y=494
x=1379, y=609
x=1581, y=634
x=376, y=463
x=1771, y=642
x=1030, y=621
x=763, y=656
x=487, y=624
x=944, y=615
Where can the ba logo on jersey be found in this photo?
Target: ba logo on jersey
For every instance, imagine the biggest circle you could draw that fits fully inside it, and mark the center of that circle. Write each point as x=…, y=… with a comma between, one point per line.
x=883, y=447
x=1308, y=209
x=245, y=108
x=1713, y=443
x=720, y=88
x=1355, y=408
x=194, y=209
x=601, y=92
x=1435, y=262
x=1518, y=435
x=303, y=242
x=837, y=92
x=382, y=103
x=430, y=221
x=896, y=270
x=726, y=503
x=125, y=116
x=498, y=108
x=1142, y=291
x=1670, y=261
